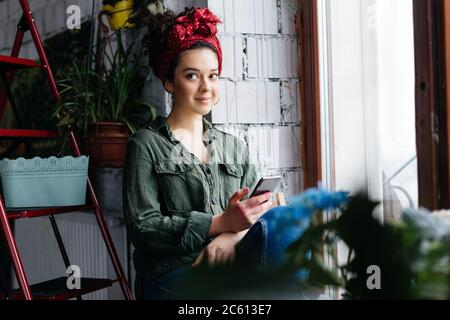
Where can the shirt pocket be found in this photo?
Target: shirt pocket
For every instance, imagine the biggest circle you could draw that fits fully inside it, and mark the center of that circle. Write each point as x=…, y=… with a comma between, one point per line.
x=230, y=176
x=179, y=186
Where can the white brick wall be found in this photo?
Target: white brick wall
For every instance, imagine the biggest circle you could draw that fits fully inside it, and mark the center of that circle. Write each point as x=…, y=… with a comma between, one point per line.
x=293, y=180
x=246, y=16
x=232, y=52
x=260, y=100
x=272, y=57
x=275, y=147
x=290, y=101
x=287, y=18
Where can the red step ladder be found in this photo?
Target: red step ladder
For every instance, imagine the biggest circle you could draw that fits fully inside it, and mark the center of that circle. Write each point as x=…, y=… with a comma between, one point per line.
x=54, y=289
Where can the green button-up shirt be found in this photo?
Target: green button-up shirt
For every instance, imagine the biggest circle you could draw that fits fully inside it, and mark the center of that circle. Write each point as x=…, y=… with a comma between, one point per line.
x=170, y=196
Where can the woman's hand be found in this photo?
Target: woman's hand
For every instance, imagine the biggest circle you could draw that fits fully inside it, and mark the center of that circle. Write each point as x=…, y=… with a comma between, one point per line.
x=221, y=250
x=239, y=215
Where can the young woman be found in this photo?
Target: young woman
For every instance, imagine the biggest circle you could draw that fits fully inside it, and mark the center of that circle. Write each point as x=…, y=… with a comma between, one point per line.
x=186, y=184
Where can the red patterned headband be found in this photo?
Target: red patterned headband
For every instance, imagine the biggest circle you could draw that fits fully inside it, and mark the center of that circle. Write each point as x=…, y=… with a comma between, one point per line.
x=200, y=25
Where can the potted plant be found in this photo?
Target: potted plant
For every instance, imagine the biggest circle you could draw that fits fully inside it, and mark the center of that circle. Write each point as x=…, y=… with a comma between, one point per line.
x=102, y=103
x=118, y=12
x=411, y=255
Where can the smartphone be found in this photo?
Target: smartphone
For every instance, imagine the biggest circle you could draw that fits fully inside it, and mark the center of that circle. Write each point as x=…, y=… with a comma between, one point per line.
x=267, y=184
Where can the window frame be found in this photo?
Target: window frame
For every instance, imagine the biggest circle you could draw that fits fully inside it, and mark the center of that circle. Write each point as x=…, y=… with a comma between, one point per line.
x=308, y=52
x=432, y=64
x=432, y=49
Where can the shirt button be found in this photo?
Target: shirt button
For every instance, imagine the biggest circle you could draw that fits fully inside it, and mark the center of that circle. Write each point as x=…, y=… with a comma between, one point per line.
x=214, y=199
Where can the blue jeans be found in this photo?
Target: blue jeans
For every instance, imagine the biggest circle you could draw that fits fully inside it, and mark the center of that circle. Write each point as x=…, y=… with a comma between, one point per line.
x=162, y=288
x=261, y=249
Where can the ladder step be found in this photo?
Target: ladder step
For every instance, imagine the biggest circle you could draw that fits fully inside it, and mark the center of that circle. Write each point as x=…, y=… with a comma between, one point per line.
x=21, y=133
x=17, y=63
x=57, y=289
x=33, y=213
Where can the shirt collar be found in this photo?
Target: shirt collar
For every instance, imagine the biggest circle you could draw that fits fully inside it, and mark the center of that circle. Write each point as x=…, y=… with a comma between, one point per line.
x=161, y=125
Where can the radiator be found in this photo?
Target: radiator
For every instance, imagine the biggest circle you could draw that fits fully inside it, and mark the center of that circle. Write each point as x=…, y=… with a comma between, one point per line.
x=84, y=244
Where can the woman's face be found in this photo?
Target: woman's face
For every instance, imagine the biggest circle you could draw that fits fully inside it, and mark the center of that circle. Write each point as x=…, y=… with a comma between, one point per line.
x=196, y=80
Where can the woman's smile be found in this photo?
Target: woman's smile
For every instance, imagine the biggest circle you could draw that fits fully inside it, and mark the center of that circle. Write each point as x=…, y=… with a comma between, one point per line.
x=196, y=84
x=203, y=100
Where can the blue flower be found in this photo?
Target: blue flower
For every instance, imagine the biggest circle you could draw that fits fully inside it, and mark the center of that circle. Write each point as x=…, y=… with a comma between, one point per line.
x=285, y=224
x=318, y=199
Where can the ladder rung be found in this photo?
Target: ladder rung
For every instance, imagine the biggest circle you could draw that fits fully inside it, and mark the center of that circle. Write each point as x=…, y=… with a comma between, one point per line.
x=21, y=133
x=57, y=289
x=17, y=63
x=34, y=213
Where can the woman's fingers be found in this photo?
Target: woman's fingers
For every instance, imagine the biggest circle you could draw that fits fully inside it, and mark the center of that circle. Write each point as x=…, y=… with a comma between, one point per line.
x=214, y=257
x=208, y=255
x=199, y=259
x=261, y=209
x=238, y=195
x=256, y=201
x=225, y=257
x=211, y=256
x=221, y=258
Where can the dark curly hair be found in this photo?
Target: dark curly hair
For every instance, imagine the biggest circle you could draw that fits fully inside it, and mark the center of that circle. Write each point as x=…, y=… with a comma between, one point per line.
x=158, y=28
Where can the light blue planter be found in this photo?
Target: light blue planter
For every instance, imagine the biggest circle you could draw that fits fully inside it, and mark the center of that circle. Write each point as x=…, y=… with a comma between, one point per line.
x=49, y=182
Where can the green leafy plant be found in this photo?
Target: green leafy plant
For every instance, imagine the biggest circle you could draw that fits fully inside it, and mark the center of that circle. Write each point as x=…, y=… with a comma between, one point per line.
x=104, y=93
x=413, y=254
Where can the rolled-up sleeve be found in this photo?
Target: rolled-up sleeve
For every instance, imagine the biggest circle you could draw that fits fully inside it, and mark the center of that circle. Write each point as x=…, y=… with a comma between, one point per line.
x=148, y=227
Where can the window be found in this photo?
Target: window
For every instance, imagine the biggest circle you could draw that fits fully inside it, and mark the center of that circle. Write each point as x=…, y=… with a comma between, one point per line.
x=367, y=80
x=376, y=75
x=375, y=101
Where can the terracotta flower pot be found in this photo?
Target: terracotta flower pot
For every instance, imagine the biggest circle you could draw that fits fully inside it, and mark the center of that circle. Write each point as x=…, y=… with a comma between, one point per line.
x=106, y=144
